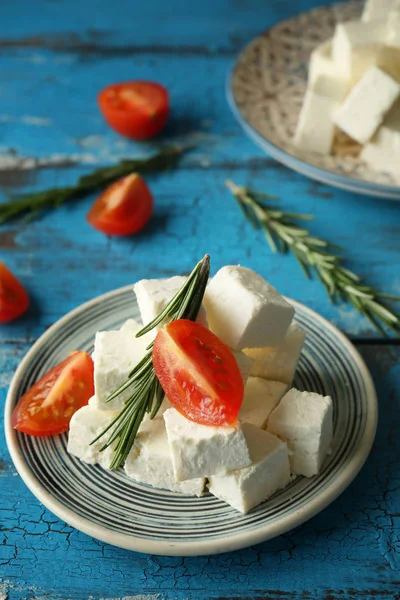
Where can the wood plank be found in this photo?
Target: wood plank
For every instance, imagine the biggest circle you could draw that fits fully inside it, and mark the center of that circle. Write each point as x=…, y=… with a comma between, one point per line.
x=182, y=28
x=64, y=262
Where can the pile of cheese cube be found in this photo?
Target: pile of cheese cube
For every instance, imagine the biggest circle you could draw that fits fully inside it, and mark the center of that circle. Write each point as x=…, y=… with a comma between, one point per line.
x=354, y=87
x=279, y=432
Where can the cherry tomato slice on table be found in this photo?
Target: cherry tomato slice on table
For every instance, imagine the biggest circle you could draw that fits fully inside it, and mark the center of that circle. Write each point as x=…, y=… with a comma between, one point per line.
x=14, y=300
x=124, y=208
x=198, y=373
x=47, y=408
x=135, y=109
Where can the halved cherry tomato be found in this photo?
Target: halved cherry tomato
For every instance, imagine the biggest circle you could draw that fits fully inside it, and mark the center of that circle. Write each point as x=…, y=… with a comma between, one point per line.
x=135, y=109
x=124, y=208
x=198, y=373
x=14, y=300
x=47, y=408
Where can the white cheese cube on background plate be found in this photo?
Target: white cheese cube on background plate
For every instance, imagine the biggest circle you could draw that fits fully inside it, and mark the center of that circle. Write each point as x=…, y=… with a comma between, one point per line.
x=86, y=424
x=382, y=153
x=304, y=421
x=358, y=46
x=200, y=450
x=153, y=296
x=150, y=461
x=376, y=10
x=115, y=355
x=260, y=399
x=322, y=65
x=365, y=107
x=246, y=488
x=315, y=128
x=243, y=310
x=393, y=24
x=278, y=363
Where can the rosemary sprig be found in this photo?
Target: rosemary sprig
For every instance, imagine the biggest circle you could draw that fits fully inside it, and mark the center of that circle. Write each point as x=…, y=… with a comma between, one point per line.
x=147, y=394
x=32, y=204
x=315, y=256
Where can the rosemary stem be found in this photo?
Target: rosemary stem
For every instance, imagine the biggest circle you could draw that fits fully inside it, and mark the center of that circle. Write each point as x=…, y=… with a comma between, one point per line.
x=31, y=205
x=315, y=255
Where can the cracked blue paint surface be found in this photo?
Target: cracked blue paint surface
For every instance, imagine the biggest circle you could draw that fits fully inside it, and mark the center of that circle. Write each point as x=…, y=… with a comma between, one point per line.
x=52, y=64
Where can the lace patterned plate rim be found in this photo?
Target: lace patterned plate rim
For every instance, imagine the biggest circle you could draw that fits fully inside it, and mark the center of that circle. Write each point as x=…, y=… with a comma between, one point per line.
x=117, y=510
x=265, y=91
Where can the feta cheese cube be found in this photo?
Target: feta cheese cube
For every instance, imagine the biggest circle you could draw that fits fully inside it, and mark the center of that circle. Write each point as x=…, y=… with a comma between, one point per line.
x=269, y=471
x=92, y=402
x=365, y=107
x=260, y=399
x=358, y=46
x=131, y=326
x=245, y=364
x=322, y=68
x=393, y=24
x=243, y=310
x=86, y=424
x=315, y=128
x=115, y=355
x=150, y=461
x=304, y=421
x=383, y=151
x=376, y=10
x=153, y=296
x=200, y=450
x=278, y=362
x=321, y=62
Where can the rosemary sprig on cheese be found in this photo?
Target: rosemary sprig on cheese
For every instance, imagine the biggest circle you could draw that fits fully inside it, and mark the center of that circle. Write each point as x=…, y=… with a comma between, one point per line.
x=148, y=394
x=31, y=205
x=315, y=256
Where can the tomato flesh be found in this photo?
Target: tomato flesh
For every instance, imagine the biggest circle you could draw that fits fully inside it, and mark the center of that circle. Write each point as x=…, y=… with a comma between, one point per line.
x=135, y=109
x=198, y=373
x=14, y=300
x=47, y=408
x=124, y=208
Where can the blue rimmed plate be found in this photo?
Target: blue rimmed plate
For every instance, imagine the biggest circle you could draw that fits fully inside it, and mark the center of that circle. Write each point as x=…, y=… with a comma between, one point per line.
x=266, y=89
x=112, y=508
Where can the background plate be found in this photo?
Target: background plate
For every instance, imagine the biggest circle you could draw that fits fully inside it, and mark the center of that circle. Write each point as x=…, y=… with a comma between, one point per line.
x=112, y=508
x=266, y=90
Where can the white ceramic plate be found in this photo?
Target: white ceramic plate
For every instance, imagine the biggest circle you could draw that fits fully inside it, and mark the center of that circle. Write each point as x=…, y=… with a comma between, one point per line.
x=266, y=90
x=113, y=508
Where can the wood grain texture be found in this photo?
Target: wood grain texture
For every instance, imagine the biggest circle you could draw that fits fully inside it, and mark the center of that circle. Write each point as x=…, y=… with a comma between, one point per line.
x=52, y=64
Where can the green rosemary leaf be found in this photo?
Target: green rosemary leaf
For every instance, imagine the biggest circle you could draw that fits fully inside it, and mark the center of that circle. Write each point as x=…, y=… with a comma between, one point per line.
x=299, y=216
x=388, y=296
x=159, y=395
x=319, y=257
x=270, y=240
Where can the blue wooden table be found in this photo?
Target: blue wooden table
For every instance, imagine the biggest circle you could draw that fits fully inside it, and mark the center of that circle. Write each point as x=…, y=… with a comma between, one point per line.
x=54, y=58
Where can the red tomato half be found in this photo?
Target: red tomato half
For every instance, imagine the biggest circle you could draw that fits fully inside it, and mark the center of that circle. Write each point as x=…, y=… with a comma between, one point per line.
x=47, y=408
x=124, y=208
x=14, y=300
x=198, y=373
x=135, y=109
